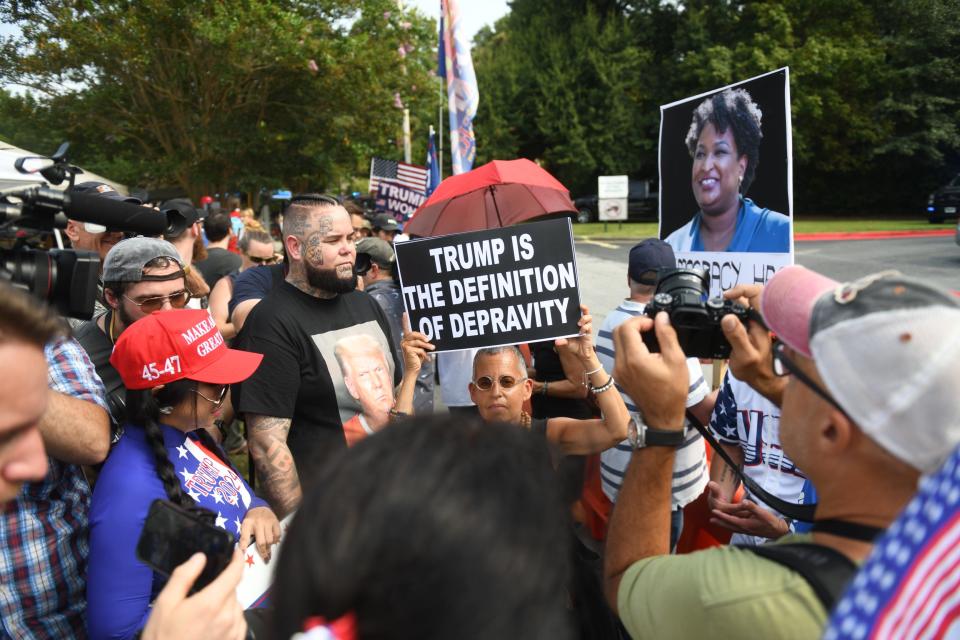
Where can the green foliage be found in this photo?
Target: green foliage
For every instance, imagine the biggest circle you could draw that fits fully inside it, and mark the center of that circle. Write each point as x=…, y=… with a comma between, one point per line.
x=875, y=87
x=211, y=94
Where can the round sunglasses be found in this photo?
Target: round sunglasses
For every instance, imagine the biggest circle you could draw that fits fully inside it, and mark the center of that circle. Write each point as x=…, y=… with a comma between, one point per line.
x=485, y=383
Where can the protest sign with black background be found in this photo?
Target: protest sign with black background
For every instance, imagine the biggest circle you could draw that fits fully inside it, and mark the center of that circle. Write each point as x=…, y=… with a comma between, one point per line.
x=771, y=189
x=490, y=288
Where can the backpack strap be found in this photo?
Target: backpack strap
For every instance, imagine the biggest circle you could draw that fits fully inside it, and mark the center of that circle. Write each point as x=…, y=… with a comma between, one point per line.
x=826, y=570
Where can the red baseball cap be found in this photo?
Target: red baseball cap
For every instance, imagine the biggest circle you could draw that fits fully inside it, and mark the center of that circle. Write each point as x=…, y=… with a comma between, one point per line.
x=180, y=343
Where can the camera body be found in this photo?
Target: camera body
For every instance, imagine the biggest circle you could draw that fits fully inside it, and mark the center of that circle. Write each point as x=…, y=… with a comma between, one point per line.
x=682, y=293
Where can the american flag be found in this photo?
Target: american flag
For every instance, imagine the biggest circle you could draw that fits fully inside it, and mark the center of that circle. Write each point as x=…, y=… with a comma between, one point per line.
x=909, y=587
x=409, y=175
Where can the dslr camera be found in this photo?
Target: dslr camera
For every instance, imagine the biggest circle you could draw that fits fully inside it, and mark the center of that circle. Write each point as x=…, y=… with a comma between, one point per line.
x=66, y=279
x=682, y=293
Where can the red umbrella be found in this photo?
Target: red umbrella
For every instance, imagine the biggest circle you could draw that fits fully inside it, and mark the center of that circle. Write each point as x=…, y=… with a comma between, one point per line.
x=498, y=194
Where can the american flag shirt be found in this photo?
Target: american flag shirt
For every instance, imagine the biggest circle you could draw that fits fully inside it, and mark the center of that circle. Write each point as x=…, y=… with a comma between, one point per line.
x=43, y=555
x=909, y=587
x=120, y=588
x=744, y=418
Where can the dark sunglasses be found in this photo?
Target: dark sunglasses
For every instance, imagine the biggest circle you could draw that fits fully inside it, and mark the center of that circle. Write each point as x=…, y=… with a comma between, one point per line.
x=485, y=383
x=220, y=397
x=259, y=260
x=177, y=300
x=783, y=366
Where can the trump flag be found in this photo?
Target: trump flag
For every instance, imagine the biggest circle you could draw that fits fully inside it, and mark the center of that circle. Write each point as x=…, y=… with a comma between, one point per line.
x=462, y=93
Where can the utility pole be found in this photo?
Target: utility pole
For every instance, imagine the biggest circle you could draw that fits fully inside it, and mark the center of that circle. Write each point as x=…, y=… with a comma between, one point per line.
x=407, y=153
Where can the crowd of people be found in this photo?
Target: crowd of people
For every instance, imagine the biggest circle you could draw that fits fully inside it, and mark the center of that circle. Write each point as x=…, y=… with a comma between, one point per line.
x=569, y=491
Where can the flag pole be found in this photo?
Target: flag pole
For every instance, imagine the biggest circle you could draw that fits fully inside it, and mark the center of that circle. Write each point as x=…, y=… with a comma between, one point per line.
x=443, y=82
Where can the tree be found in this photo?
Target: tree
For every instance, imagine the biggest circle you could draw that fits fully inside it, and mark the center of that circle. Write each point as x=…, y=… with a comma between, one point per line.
x=875, y=87
x=209, y=94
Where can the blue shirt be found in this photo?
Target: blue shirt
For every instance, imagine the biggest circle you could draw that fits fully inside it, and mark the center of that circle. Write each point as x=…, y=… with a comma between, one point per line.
x=757, y=231
x=120, y=588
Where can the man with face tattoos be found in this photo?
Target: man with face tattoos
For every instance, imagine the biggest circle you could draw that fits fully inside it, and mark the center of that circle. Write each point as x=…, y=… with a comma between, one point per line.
x=292, y=403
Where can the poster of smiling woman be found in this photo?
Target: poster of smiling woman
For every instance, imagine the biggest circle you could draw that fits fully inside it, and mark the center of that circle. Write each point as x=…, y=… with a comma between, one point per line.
x=726, y=180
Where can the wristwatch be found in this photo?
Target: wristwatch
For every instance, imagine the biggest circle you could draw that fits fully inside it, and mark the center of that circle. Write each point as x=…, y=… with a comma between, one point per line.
x=640, y=435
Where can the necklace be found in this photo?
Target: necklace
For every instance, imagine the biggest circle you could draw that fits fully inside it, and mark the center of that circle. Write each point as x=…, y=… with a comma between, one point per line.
x=525, y=419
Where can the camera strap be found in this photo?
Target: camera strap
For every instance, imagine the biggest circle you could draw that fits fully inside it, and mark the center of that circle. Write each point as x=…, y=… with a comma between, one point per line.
x=802, y=512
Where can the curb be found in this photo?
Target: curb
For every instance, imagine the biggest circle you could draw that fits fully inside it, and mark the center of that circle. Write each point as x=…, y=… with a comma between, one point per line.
x=872, y=235
x=820, y=235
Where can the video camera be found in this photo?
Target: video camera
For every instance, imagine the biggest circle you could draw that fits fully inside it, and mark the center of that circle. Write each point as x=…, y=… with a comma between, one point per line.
x=682, y=293
x=66, y=279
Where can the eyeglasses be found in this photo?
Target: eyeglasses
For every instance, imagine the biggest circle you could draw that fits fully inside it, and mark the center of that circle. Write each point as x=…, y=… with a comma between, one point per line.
x=783, y=366
x=220, y=398
x=177, y=300
x=485, y=383
x=259, y=260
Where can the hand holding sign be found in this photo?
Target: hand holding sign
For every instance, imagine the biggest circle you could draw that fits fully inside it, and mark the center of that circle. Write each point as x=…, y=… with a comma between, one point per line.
x=415, y=347
x=581, y=346
x=261, y=524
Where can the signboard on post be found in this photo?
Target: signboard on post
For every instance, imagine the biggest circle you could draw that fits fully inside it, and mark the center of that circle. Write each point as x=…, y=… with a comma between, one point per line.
x=398, y=200
x=493, y=287
x=612, y=193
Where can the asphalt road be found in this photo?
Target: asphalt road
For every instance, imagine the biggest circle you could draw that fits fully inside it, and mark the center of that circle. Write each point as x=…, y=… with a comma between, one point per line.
x=602, y=265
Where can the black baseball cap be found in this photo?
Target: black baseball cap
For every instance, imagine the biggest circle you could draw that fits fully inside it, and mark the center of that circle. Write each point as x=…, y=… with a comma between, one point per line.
x=649, y=255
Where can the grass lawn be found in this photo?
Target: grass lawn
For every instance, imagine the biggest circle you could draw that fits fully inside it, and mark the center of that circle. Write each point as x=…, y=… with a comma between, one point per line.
x=649, y=229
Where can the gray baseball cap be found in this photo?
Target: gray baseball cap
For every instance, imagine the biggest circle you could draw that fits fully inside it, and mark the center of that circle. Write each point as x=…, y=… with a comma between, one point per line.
x=379, y=251
x=125, y=261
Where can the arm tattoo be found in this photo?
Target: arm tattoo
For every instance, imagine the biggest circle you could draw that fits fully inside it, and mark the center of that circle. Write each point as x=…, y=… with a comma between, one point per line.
x=274, y=462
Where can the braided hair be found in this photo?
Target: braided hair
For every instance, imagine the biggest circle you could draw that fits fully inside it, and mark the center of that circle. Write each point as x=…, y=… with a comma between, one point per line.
x=143, y=409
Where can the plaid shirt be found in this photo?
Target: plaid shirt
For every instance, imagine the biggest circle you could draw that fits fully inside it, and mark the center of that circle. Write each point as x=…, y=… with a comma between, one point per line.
x=43, y=555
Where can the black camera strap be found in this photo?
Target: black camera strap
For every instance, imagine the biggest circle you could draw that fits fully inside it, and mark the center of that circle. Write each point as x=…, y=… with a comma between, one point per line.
x=802, y=512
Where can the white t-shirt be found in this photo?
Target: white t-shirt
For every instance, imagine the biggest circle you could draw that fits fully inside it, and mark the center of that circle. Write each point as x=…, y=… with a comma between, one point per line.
x=690, y=474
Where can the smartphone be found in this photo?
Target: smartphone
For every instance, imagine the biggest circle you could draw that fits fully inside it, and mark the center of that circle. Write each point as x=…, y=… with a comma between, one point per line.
x=172, y=534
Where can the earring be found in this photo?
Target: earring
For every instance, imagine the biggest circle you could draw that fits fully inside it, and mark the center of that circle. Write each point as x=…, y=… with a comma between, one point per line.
x=165, y=410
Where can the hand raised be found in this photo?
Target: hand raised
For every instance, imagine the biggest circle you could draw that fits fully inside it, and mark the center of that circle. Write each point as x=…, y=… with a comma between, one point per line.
x=657, y=382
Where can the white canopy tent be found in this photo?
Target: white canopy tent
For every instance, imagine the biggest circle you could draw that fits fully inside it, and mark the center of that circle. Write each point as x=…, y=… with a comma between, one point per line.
x=10, y=177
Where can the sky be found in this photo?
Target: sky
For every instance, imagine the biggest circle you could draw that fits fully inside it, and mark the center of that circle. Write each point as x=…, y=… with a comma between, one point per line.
x=474, y=13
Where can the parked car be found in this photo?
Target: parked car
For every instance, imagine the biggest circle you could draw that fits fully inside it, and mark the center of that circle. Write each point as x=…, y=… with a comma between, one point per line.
x=944, y=202
x=642, y=203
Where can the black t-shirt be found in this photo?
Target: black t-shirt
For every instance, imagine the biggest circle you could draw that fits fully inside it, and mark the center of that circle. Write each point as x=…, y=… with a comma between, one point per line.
x=219, y=262
x=300, y=377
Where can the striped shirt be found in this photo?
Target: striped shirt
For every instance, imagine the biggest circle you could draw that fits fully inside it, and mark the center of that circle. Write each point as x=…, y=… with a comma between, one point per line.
x=690, y=474
x=43, y=559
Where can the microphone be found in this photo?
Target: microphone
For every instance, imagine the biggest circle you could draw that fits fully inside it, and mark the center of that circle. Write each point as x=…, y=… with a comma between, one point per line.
x=117, y=214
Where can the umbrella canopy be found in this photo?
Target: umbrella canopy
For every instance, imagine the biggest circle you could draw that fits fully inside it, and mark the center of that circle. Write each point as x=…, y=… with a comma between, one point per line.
x=498, y=194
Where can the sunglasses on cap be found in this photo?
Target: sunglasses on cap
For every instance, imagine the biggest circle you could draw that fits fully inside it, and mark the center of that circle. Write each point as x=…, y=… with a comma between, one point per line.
x=177, y=300
x=485, y=383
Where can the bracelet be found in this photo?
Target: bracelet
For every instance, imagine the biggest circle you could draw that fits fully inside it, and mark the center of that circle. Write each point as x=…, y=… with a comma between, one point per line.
x=543, y=390
x=398, y=414
x=587, y=374
x=606, y=386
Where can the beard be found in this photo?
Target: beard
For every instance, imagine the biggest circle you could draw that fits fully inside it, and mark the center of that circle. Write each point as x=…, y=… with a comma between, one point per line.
x=328, y=280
